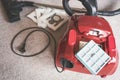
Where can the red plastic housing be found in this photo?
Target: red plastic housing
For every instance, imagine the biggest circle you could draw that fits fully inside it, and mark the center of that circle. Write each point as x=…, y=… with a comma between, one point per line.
x=86, y=28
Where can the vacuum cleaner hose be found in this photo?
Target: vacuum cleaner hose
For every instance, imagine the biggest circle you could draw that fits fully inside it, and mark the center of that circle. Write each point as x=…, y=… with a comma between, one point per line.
x=109, y=13
x=91, y=6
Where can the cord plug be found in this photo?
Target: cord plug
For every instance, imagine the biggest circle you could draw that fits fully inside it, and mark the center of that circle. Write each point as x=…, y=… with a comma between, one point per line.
x=22, y=48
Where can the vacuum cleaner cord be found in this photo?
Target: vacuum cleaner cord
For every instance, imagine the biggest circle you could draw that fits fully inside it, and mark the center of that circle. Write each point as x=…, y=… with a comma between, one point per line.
x=22, y=49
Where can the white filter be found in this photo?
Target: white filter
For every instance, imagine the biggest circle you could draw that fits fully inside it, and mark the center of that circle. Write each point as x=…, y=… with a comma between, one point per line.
x=93, y=57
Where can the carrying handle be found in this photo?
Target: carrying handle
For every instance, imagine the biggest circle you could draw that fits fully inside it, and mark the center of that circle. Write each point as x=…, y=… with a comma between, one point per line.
x=90, y=5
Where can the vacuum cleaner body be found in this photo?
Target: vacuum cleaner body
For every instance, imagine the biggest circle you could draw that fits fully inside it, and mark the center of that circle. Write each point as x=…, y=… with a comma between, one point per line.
x=83, y=29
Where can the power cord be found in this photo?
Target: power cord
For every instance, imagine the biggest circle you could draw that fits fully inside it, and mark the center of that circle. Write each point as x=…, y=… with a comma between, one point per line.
x=22, y=48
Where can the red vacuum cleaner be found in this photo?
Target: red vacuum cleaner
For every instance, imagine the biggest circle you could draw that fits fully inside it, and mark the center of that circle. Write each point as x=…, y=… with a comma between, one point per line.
x=83, y=28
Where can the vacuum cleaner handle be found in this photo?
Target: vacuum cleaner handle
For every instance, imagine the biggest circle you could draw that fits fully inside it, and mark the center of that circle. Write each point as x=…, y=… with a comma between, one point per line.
x=90, y=5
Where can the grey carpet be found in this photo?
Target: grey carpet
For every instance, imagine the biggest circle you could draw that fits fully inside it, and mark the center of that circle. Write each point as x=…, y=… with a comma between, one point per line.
x=41, y=67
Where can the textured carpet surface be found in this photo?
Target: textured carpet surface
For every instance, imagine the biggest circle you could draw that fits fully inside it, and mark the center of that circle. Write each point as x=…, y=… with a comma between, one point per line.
x=41, y=67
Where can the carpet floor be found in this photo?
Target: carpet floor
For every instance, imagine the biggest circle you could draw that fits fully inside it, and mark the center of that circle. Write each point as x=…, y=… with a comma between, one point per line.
x=41, y=67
